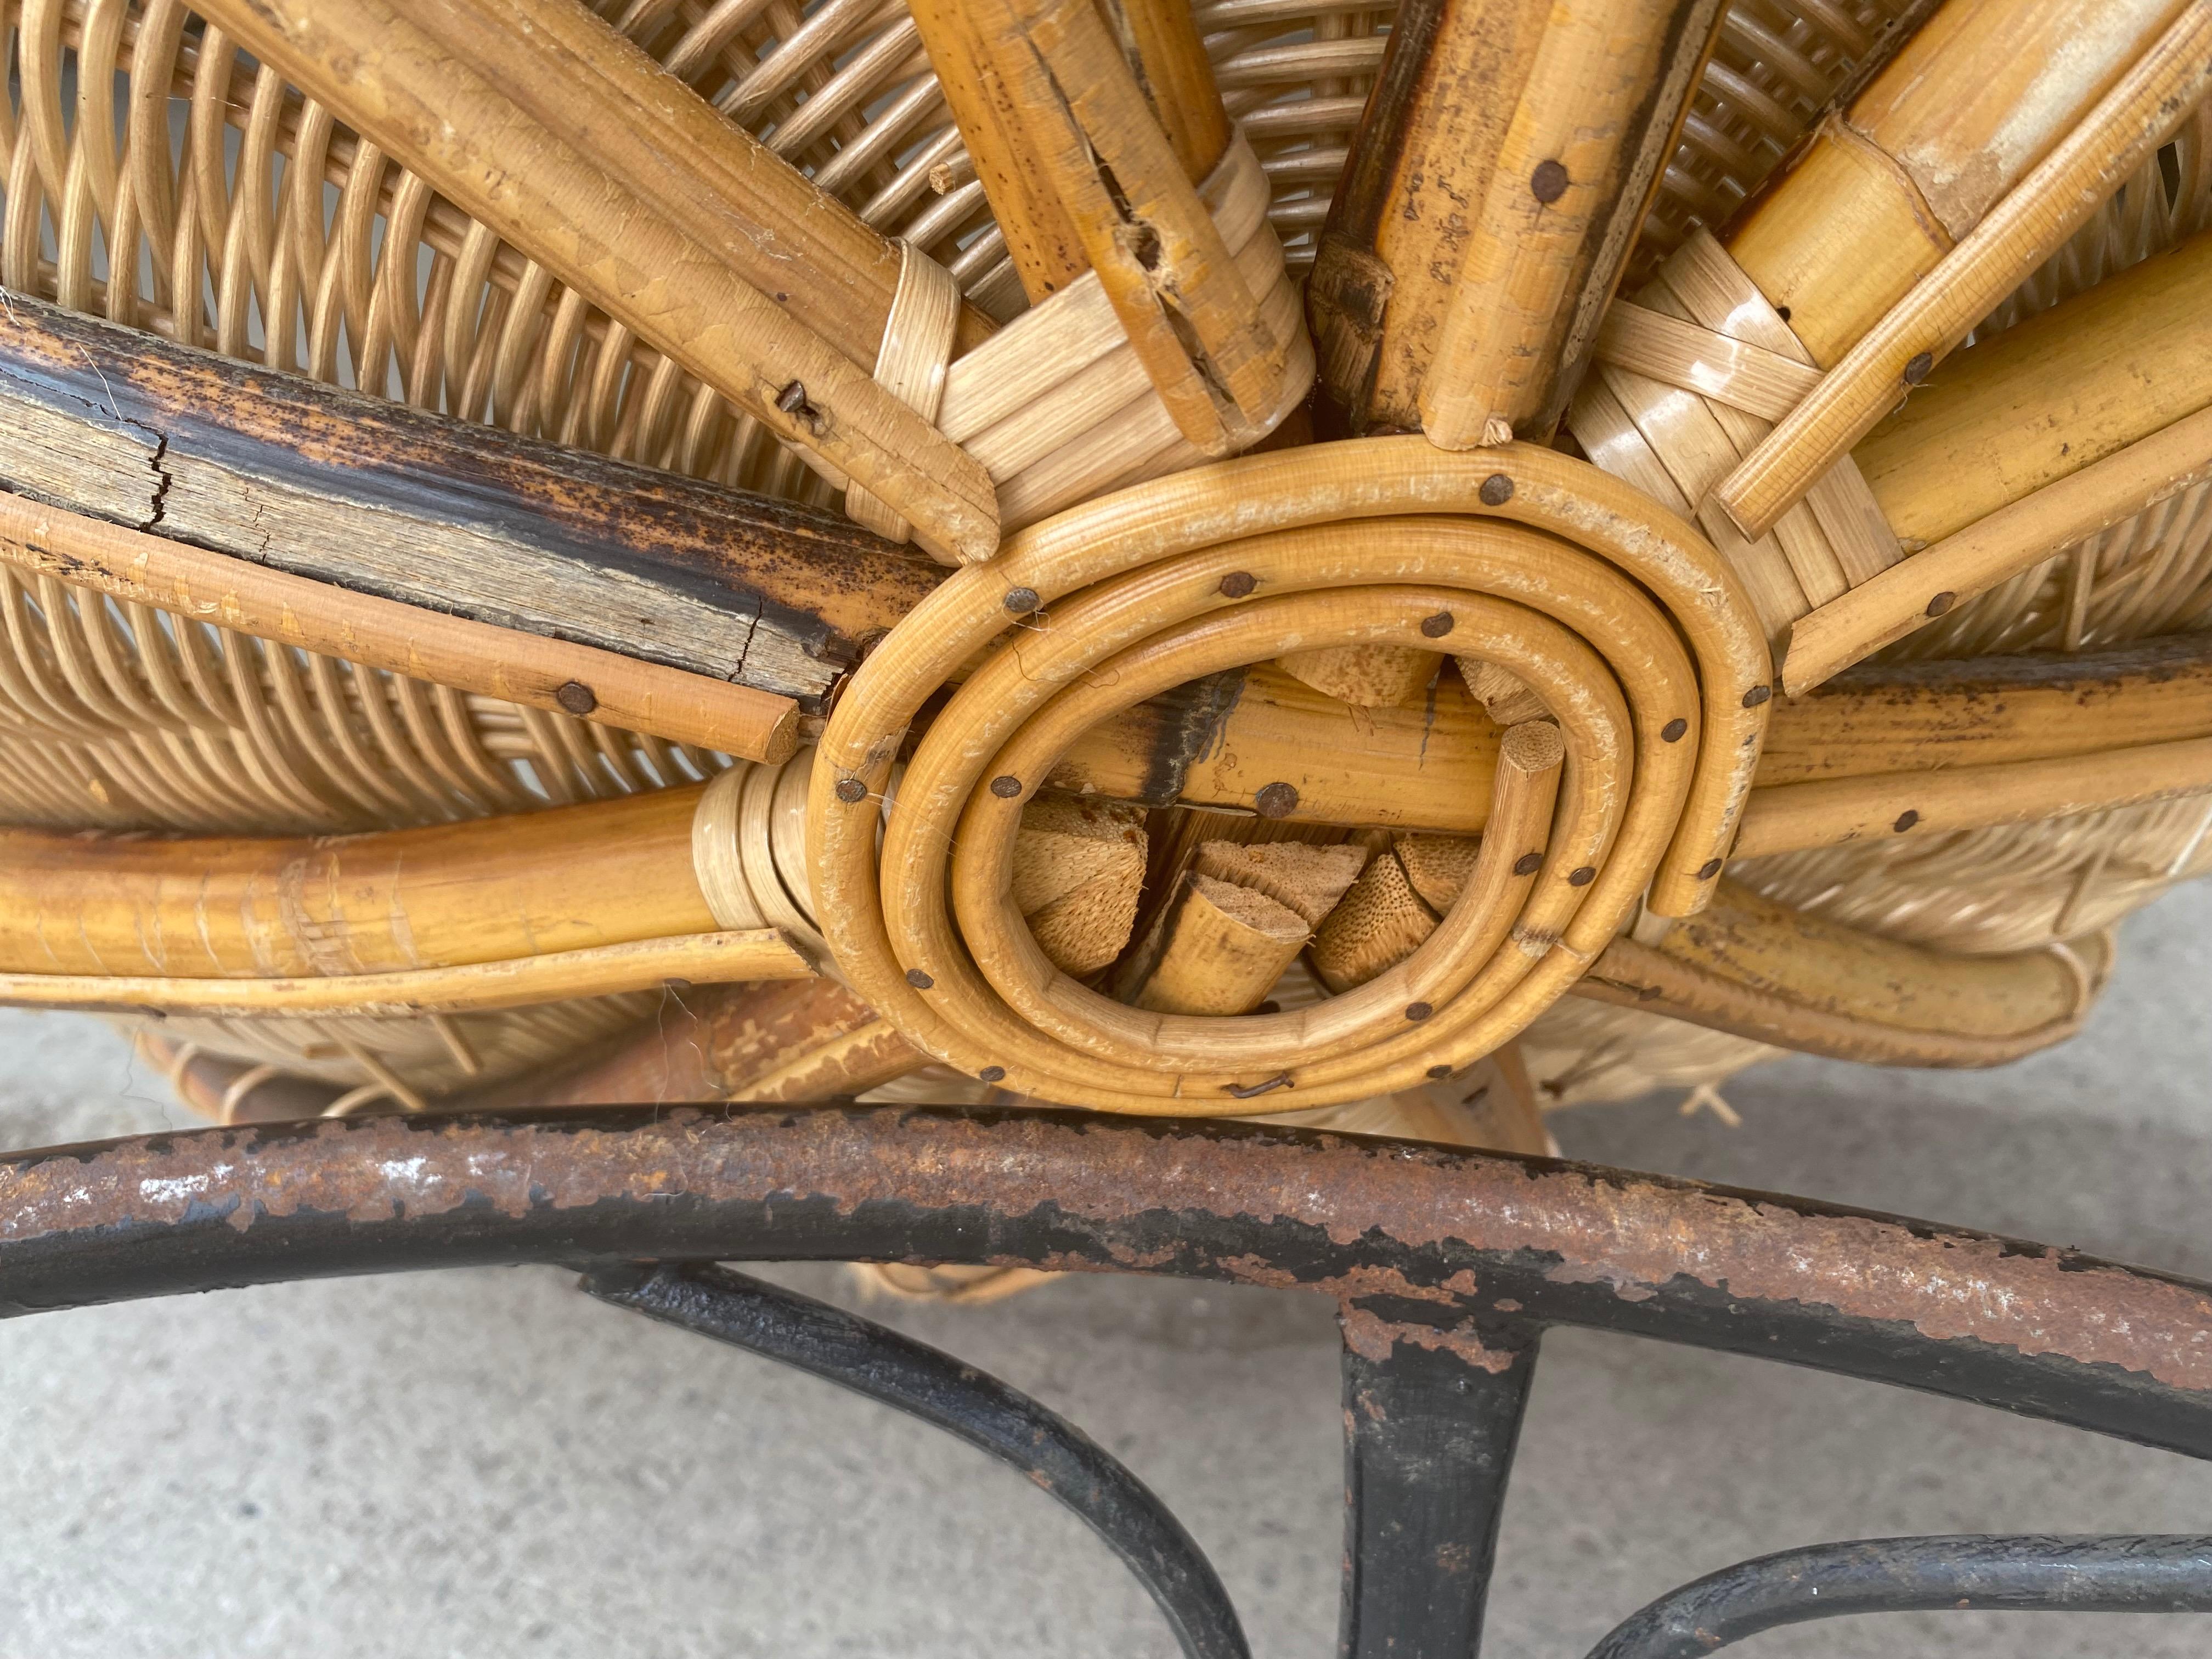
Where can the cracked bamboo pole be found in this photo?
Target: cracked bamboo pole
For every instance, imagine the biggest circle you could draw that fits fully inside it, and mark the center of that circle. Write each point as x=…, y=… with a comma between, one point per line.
x=487, y=114
x=1094, y=179
x=1572, y=182
x=1399, y=222
x=414, y=508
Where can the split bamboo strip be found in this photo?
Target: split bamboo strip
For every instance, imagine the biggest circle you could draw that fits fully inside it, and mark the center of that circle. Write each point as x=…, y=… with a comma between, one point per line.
x=543, y=976
x=2030, y=222
x=452, y=122
x=1995, y=547
x=1601, y=111
x=1776, y=975
x=1632, y=417
x=1791, y=818
x=525, y=668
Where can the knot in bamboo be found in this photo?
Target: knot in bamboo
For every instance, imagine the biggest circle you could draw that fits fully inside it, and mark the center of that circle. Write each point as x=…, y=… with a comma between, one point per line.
x=1616, y=614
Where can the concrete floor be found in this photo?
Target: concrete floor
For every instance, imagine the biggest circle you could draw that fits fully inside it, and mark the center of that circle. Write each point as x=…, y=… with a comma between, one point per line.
x=485, y=1463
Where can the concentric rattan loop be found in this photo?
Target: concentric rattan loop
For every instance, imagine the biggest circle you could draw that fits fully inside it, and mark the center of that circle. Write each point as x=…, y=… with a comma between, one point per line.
x=1365, y=543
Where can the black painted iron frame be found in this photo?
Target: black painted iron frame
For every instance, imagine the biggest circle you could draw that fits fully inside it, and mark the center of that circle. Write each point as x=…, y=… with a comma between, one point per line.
x=1447, y=1266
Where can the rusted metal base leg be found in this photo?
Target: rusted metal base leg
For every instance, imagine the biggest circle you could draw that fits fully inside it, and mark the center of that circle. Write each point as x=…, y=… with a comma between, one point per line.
x=1431, y=1420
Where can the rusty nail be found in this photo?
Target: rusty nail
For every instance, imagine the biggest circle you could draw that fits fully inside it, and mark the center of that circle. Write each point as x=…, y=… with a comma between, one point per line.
x=919, y=981
x=1527, y=864
x=577, y=697
x=851, y=791
x=1436, y=627
x=1238, y=583
x=1675, y=731
x=1549, y=181
x=1005, y=786
x=1941, y=603
x=1276, y=800
x=1022, y=600
x=1497, y=490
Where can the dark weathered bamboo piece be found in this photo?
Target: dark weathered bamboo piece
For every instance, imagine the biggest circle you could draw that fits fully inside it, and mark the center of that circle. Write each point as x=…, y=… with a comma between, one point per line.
x=1403, y=211
x=437, y=513
x=803, y=1039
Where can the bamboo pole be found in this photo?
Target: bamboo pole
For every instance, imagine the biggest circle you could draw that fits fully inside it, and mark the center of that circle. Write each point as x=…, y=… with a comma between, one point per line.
x=1400, y=220
x=1219, y=949
x=1791, y=818
x=1078, y=872
x=1574, y=175
x=2042, y=400
x=778, y=1040
x=1968, y=107
x=1430, y=769
x=1365, y=676
x=2002, y=250
x=569, y=879
x=454, y=122
x=602, y=96
x=447, y=650
x=1996, y=547
x=1234, y=922
x=1901, y=718
x=1764, y=971
x=1040, y=234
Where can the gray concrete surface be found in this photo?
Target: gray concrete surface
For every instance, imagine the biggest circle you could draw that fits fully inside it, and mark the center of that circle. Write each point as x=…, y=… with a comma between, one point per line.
x=485, y=1463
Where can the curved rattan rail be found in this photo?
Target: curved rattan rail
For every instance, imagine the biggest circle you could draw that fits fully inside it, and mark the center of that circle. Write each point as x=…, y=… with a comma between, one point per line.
x=1448, y=1265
